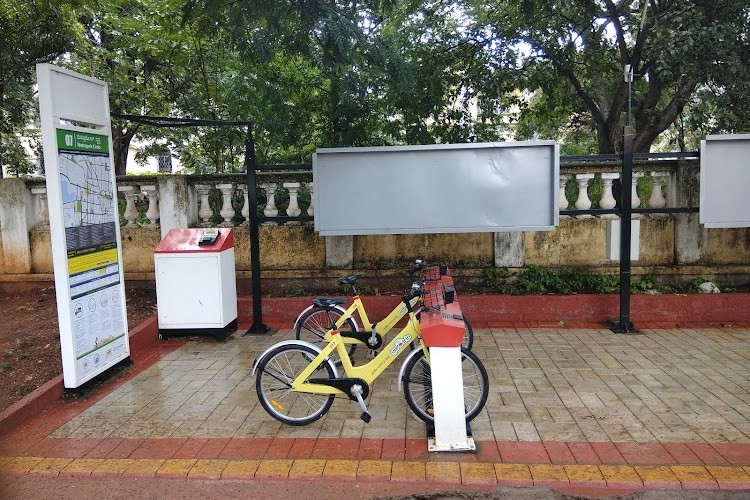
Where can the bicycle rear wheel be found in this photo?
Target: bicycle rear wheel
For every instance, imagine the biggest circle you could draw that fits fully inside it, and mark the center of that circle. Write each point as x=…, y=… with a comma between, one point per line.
x=468, y=340
x=417, y=381
x=314, y=324
x=273, y=383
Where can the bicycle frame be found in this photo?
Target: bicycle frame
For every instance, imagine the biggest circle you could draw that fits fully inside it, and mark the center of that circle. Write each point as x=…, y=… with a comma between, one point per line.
x=384, y=326
x=370, y=370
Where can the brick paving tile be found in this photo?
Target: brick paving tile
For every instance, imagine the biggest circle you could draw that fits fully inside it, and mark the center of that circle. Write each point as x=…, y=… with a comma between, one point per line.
x=608, y=453
x=274, y=469
x=682, y=454
x=523, y=452
x=338, y=448
x=585, y=475
x=81, y=467
x=176, y=467
x=158, y=448
x=559, y=452
x=645, y=454
x=302, y=448
x=730, y=478
x=340, y=470
x=308, y=469
x=584, y=453
x=207, y=468
x=370, y=449
x=214, y=448
x=279, y=448
x=21, y=464
x=621, y=476
x=144, y=467
x=548, y=476
x=50, y=466
x=487, y=451
x=125, y=448
x=478, y=473
x=658, y=477
x=734, y=453
x=416, y=449
x=694, y=477
x=190, y=448
x=408, y=471
x=374, y=470
x=103, y=448
x=240, y=469
x=393, y=449
x=443, y=472
x=707, y=454
x=113, y=466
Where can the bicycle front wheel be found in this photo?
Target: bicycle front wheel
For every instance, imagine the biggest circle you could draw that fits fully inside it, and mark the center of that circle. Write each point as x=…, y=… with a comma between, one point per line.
x=273, y=383
x=418, y=385
x=314, y=324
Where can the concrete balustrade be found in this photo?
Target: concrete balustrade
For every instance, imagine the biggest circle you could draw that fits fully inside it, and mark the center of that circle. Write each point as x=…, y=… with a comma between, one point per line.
x=151, y=205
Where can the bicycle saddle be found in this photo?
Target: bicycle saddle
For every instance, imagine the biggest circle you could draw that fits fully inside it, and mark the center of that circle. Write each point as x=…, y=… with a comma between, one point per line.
x=328, y=302
x=350, y=280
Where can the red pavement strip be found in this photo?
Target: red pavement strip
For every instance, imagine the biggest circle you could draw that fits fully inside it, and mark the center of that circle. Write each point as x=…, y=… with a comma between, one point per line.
x=570, y=467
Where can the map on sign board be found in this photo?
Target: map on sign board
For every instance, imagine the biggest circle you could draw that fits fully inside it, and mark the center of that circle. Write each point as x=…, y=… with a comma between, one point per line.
x=90, y=220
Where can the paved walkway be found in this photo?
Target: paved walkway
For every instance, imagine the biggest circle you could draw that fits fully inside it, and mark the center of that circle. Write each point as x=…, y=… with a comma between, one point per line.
x=567, y=408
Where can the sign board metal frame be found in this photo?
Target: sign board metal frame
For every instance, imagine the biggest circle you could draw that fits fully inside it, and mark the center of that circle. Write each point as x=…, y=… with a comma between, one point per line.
x=84, y=222
x=724, y=179
x=441, y=188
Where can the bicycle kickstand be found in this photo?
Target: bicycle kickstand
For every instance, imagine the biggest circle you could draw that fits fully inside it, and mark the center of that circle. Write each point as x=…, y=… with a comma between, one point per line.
x=356, y=390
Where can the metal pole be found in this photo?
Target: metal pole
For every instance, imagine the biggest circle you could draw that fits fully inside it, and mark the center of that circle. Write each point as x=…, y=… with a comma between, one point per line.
x=624, y=325
x=257, y=327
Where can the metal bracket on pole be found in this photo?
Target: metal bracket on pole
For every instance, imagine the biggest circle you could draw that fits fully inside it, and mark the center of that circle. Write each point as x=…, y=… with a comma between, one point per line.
x=257, y=327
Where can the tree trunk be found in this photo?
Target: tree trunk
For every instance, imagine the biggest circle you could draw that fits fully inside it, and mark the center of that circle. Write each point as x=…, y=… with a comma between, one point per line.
x=120, y=144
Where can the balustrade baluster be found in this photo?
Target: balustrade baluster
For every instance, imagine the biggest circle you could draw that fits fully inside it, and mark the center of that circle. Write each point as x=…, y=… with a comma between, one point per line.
x=152, y=213
x=608, y=201
x=563, y=198
x=657, y=197
x=131, y=212
x=311, y=208
x=635, y=200
x=246, y=207
x=227, y=210
x=41, y=197
x=270, y=210
x=583, y=202
x=204, y=210
x=293, y=209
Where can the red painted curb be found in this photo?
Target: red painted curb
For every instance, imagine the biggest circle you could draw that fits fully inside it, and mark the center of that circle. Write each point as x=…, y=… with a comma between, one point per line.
x=546, y=311
x=140, y=338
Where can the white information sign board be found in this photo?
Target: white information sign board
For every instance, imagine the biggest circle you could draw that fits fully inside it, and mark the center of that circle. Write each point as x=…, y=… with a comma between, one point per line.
x=724, y=178
x=84, y=222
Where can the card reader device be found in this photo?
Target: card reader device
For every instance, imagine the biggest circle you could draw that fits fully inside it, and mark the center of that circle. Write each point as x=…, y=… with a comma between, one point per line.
x=208, y=237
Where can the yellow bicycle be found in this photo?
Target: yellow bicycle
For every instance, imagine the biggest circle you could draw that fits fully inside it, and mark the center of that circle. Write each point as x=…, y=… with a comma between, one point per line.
x=297, y=381
x=327, y=313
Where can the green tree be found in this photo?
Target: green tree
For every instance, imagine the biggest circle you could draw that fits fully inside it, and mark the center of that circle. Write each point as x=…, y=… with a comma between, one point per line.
x=675, y=47
x=34, y=31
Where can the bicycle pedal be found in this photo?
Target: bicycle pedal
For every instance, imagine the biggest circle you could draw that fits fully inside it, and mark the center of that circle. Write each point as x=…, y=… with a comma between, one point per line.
x=371, y=353
x=366, y=417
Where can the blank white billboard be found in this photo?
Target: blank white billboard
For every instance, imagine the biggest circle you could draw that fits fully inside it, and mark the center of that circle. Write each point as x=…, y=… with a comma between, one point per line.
x=443, y=188
x=725, y=179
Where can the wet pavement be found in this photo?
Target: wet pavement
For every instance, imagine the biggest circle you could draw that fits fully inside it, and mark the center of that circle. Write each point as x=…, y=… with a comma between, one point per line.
x=576, y=409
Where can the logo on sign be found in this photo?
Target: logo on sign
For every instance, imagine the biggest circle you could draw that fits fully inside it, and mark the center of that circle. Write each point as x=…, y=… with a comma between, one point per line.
x=68, y=139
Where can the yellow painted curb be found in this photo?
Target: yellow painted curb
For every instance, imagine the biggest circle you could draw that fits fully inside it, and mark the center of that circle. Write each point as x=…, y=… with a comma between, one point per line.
x=443, y=472
x=207, y=469
x=374, y=470
x=589, y=475
x=546, y=473
x=620, y=475
x=51, y=466
x=113, y=466
x=408, y=471
x=82, y=466
x=307, y=469
x=178, y=467
x=145, y=466
x=341, y=469
x=478, y=473
x=240, y=469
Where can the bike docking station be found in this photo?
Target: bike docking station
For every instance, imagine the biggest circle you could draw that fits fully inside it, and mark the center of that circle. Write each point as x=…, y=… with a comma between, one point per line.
x=442, y=326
